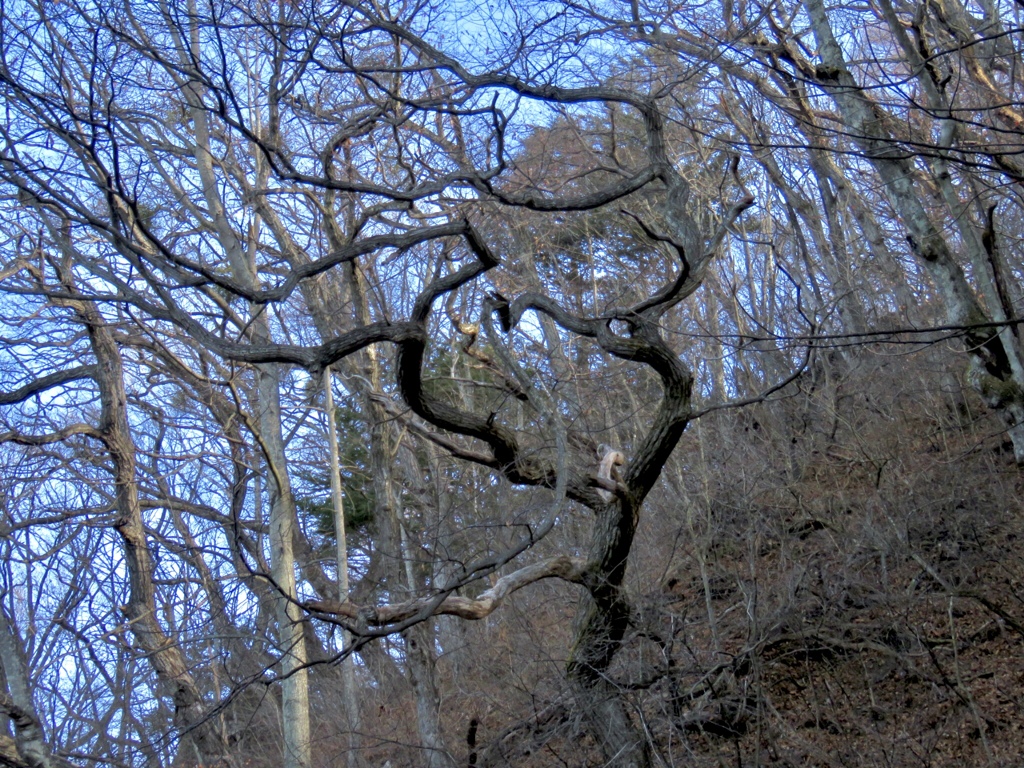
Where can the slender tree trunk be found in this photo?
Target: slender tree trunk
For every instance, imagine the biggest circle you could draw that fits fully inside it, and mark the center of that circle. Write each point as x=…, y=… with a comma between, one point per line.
x=283, y=522
x=283, y=517
x=419, y=639
x=348, y=678
x=191, y=717
x=995, y=367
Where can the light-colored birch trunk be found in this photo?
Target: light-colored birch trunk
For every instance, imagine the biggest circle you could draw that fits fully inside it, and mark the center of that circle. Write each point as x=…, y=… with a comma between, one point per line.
x=349, y=691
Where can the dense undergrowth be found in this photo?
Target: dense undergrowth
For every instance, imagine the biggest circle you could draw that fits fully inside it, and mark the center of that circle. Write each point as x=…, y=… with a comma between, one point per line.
x=828, y=579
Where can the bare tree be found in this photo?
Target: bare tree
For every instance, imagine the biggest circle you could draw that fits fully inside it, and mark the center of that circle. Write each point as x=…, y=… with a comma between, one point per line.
x=497, y=248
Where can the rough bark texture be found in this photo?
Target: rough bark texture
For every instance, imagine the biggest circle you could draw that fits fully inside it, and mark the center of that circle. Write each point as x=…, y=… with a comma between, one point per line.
x=29, y=737
x=995, y=371
x=605, y=614
x=190, y=714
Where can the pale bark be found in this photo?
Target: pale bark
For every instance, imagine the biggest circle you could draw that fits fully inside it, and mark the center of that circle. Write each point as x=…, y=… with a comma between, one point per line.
x=283, y=523
x=349, y=691
x=993, y=364
x=17, y=703
x=561, y=567
x=283, y=518
x=982, y=256
x=419, y=657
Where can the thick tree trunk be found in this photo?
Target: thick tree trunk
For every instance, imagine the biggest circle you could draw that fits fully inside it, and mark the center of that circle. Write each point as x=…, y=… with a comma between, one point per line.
x=421, y=661
x=28, y=731
x=603, y=620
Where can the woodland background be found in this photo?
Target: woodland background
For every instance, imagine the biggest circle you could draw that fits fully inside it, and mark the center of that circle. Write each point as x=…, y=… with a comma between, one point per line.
x=535, y=384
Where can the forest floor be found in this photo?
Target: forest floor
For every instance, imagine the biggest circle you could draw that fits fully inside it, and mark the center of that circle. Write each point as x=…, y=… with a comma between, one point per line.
x=859, y=602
